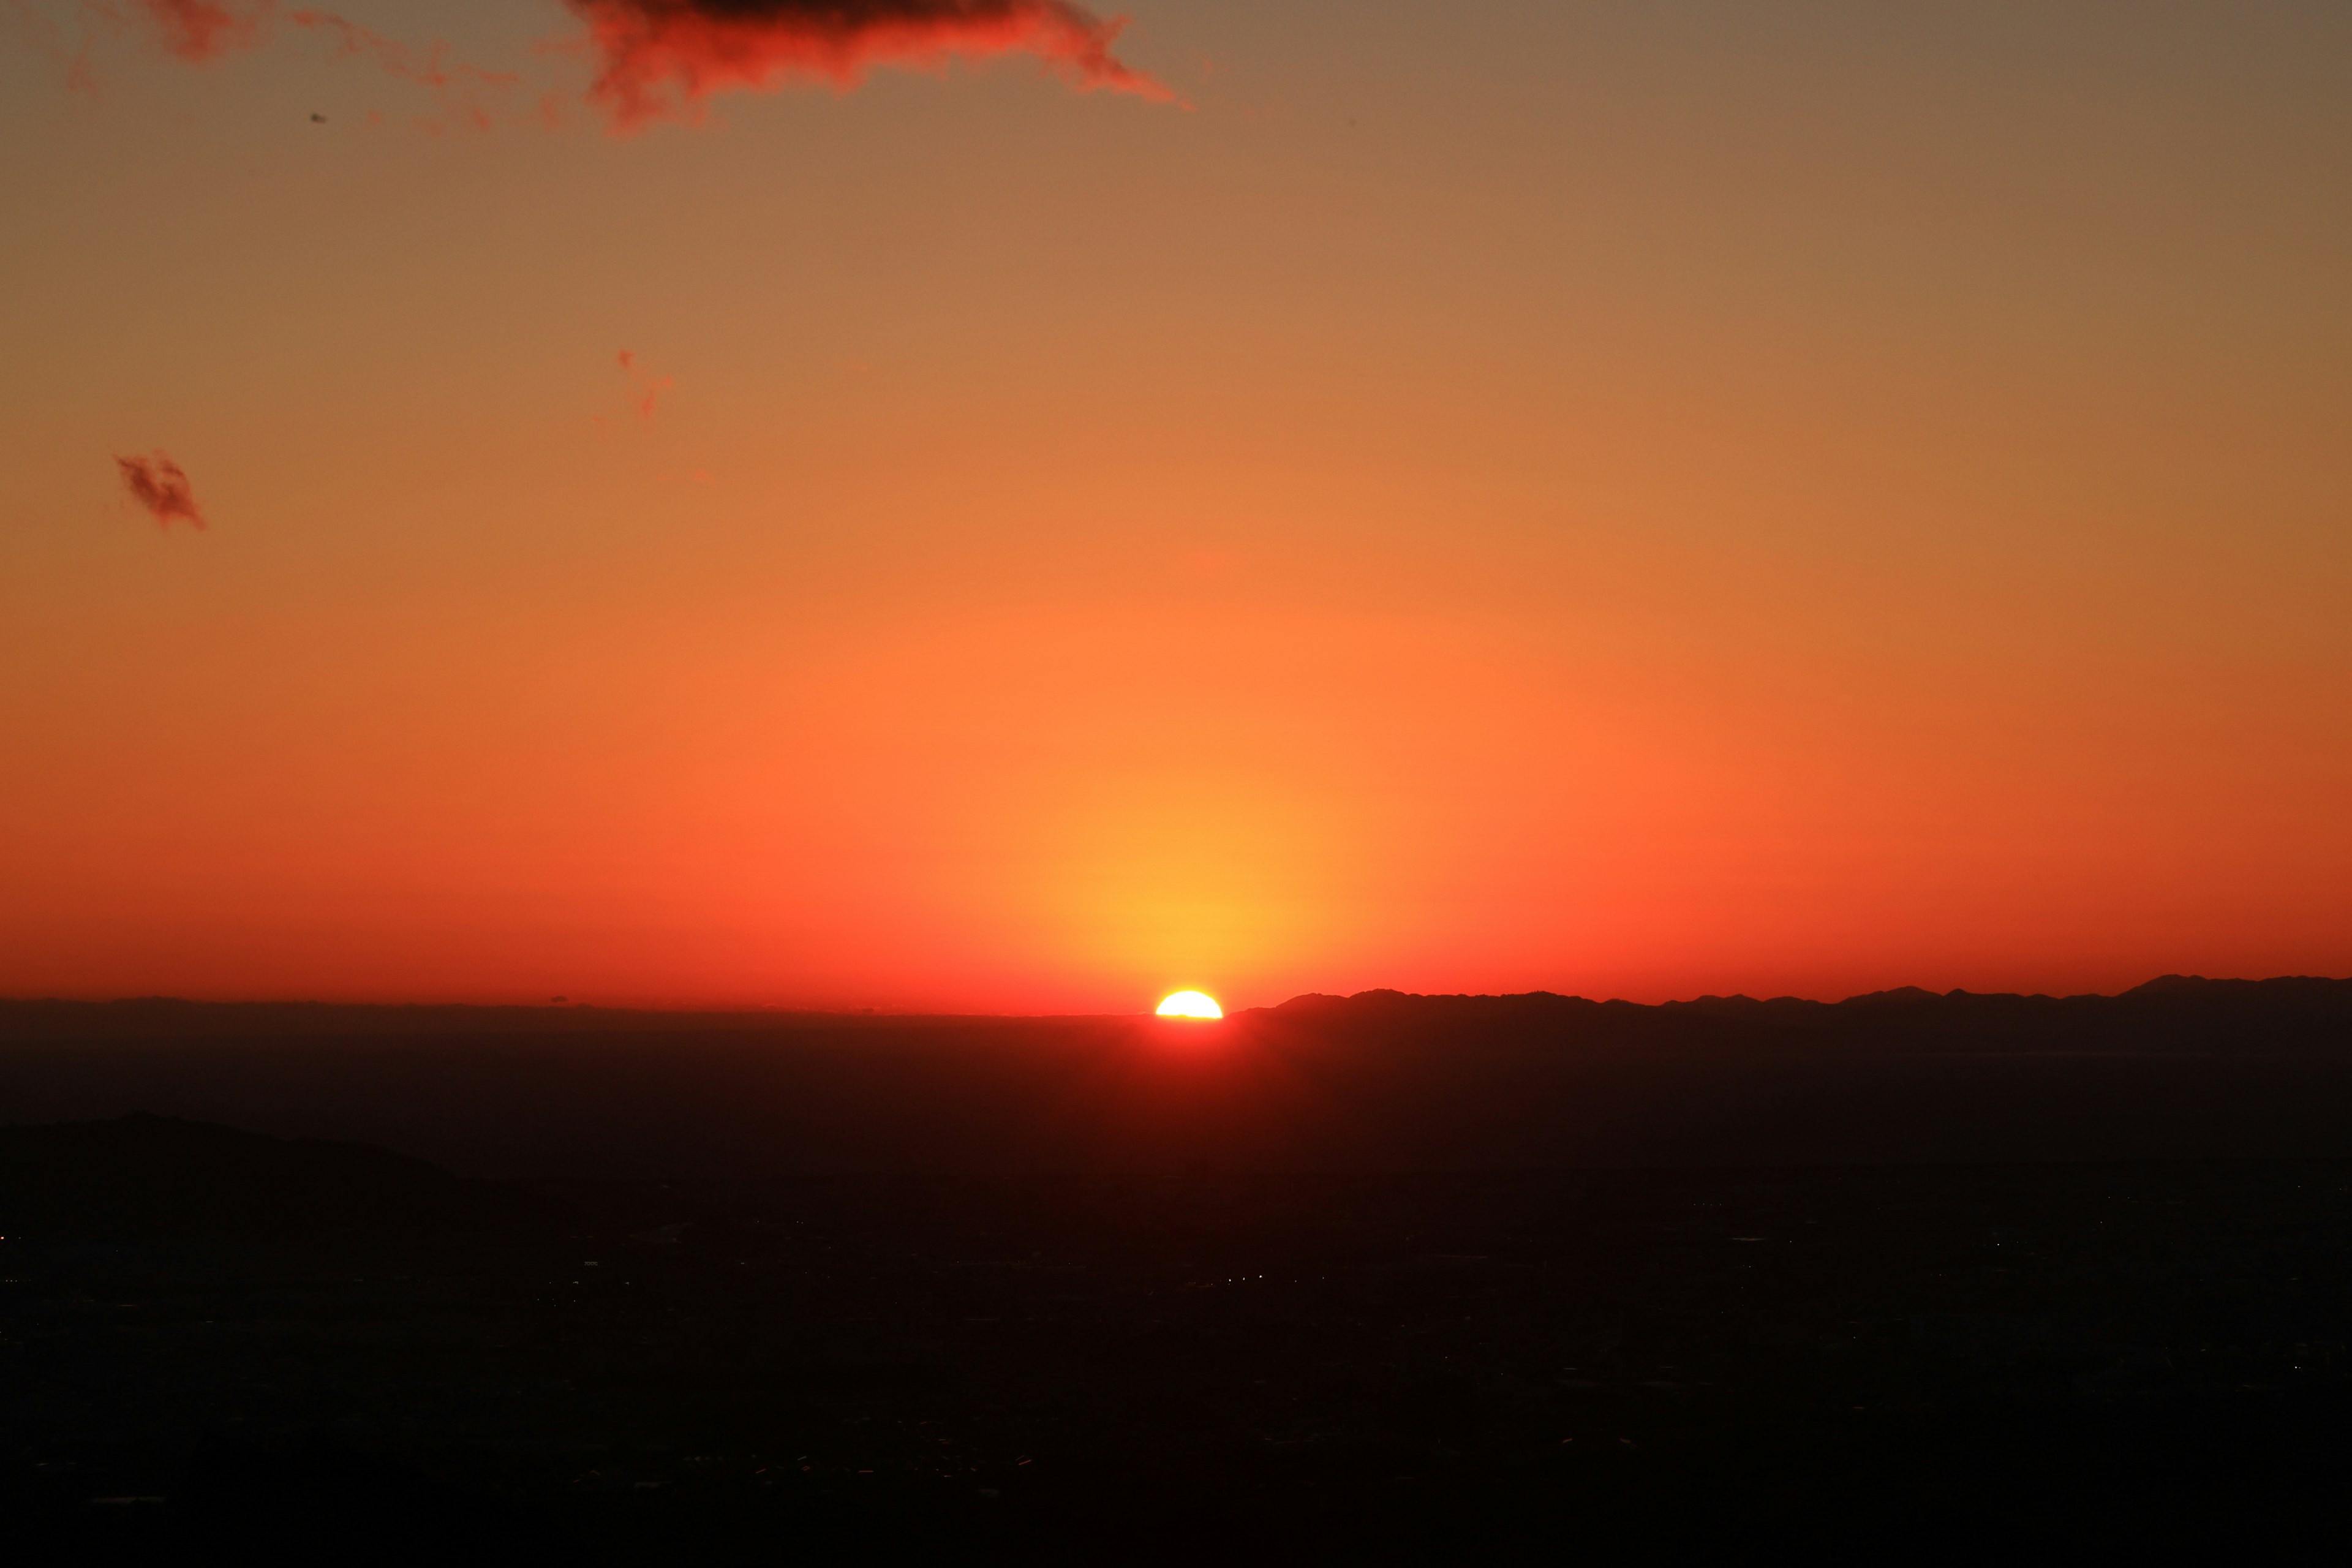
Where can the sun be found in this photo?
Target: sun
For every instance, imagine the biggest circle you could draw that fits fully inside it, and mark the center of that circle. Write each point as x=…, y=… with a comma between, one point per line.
x=1191, y=1005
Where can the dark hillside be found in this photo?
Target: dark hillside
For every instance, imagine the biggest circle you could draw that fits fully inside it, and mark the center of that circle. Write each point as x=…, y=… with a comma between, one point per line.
x=1991, y=1362
x=159, y=1176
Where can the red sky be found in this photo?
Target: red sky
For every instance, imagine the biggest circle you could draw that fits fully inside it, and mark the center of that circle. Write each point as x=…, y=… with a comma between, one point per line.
x=1632, y=502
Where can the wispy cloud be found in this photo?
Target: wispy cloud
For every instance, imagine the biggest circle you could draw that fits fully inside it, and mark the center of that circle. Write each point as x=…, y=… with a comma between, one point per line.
x=201, y=32
x=205, y=29
x=162, y=487
x=645, y=391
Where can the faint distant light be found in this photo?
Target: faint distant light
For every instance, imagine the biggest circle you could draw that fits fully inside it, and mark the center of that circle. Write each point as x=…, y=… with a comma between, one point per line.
x=1191, y=1005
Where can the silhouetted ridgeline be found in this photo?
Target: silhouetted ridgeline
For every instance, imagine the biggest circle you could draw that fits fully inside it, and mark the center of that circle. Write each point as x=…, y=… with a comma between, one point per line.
x=2180, y=1067
x=2176, y=1013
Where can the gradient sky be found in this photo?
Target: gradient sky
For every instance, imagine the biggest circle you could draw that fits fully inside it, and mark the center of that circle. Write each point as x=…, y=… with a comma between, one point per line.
x=1628, y=499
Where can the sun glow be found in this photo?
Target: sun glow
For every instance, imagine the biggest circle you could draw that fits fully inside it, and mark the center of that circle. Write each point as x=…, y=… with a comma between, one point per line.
x=1191, y=1005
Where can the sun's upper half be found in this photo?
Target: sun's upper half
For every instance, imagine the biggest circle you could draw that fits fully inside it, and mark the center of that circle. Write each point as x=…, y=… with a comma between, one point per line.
x=1190, y=1005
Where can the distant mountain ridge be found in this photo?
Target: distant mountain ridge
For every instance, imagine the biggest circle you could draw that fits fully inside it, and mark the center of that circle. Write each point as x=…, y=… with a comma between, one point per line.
x=2315, y=999
x=2172, y=1012
x=2163, y=985
x=2180, y=1067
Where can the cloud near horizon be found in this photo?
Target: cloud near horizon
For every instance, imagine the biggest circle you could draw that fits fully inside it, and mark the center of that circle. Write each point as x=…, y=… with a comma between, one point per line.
x=162, y=487
x=663, y=59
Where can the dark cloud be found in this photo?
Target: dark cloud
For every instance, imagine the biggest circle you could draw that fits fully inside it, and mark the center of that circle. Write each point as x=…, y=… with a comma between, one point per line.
x=160, y=486
x=663, y=58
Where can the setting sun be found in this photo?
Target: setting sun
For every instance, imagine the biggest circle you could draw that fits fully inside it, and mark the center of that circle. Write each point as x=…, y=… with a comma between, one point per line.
x=1191, y=1005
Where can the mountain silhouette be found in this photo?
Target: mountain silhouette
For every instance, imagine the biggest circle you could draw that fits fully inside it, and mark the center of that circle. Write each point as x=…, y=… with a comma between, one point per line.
x=1378, y=1081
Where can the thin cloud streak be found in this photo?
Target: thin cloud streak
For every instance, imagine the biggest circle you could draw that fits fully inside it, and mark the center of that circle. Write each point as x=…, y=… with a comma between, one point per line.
x=202, y=32
x=644, y=396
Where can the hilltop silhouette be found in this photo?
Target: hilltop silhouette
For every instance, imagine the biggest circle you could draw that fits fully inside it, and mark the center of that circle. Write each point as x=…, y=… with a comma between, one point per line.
x=2171, y=1013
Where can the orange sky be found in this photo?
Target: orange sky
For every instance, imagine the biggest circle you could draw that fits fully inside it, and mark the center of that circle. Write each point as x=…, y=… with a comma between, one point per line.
x=1629, y=500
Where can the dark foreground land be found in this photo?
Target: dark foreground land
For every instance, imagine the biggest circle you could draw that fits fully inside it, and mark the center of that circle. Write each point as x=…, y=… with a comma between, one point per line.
x=311, y=1352
x=224, y=1345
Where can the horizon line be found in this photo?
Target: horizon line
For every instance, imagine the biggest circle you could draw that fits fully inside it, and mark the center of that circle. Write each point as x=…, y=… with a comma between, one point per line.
x=565, y=1005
